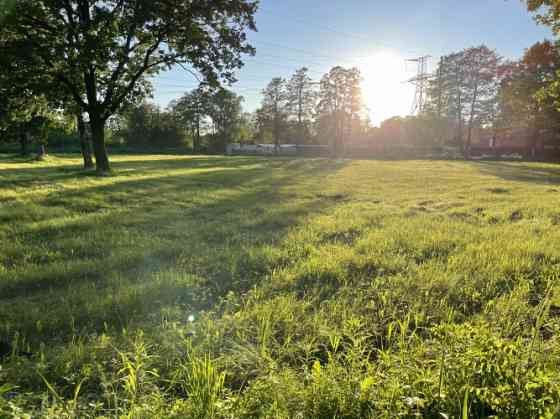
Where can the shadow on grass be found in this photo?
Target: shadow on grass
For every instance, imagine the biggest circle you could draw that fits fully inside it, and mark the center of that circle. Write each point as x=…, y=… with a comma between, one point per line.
x=521, y=172
x=241, y=207
x=38, y=174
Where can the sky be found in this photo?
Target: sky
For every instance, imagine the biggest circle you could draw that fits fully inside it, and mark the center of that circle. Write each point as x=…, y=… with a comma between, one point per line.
x=377, y=36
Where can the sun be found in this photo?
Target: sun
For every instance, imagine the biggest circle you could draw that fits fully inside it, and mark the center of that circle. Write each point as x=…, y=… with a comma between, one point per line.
x=386, y=93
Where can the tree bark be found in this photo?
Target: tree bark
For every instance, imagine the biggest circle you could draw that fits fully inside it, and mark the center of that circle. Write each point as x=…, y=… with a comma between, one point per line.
x=534, y=133
x=471, y=121
x=276, y=129
x=24, y=145
x=85, y=143
x=339, y=140
x=196, y=142
x=300, y=117
x=98, y=139
x=42, y=150
x=460, y=125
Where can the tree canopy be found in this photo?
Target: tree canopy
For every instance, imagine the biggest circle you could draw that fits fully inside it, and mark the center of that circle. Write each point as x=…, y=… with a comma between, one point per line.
x=102, y=51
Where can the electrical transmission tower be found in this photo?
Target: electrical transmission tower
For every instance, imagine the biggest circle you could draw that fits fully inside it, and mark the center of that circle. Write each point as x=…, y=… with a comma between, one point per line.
x=421, y=83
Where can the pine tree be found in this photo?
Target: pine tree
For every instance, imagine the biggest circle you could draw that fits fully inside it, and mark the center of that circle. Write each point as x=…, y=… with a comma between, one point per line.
x=301, y=97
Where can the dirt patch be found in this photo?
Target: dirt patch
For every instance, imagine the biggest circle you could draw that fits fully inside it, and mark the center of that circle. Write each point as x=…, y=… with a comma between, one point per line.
x=347, y=237
x=425, y=203
x=462, y=216
x=498, y=190
x=516, y=216
x=338, y=197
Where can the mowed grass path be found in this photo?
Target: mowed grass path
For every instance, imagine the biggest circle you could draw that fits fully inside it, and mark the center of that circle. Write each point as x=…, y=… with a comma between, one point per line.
x=319, y=288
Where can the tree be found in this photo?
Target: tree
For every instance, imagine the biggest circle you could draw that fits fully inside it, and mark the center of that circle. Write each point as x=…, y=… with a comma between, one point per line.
x=19, y=71
x=340, y=103
x=526, y=91
x=547, y=12
x=83, y=135
x=248, y=129
x=23, y=97
x=524, y=80
x=148, y=125
x=219, y=110
x=274, y=108
x=106, y=48
x=480, y=87
x=301, y=97
x=22, y=118
x=225, y=108
x=465, y=91
x=446, y=94
x=190, y=112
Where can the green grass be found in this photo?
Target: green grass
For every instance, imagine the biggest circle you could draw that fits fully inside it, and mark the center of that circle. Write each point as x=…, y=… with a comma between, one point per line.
x=309, y=288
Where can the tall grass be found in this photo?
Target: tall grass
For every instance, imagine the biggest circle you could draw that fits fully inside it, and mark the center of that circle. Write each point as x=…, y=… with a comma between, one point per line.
x=277, y=288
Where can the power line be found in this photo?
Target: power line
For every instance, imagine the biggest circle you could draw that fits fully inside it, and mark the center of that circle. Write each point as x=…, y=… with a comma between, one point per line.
x=298, y=60
x=311, y=53
x=354, y=35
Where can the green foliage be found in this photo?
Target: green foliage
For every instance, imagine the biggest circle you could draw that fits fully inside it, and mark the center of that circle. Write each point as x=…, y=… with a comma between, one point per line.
x=101, y=52
x=225, y=112
x=547, y=12
x=215, y=114
x=302, y=98
x=340, y=103
x=465, y=92
x=251, y=287
x=6, y=7
x=273, y=113
x=147, y=125
x=528, y=93
x=203, y=384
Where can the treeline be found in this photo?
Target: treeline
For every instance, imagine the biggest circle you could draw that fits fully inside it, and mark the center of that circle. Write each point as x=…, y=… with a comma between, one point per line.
x=86, y=69
x=295, y=111
x=476, y=90
x=474, y=96
x=475, y=99
x=204, y=120
x=302, y=111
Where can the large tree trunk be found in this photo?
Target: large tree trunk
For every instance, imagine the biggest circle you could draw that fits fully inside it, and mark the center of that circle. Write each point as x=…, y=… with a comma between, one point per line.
x=85, y=143
x=471, y=122
x=42, y=150
x=534, y=135
x=336, y=139
x=533, y=143
x=98, y=139
x=341, y=137
x=196, y=142
x=300, y=119
x=469, y=142
x=96, y=120
x=460, y=126
x=24, y=144
x=276, y=127
x=276, y=135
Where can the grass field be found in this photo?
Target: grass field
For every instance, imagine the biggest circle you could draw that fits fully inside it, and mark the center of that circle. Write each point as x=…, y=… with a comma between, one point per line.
x=270, y=288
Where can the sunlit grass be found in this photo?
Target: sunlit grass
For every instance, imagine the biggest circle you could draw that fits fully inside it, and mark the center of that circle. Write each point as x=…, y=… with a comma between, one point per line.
x=318, y=288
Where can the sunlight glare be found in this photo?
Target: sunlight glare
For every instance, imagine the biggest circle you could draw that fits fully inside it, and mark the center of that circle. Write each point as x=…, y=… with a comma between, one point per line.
x=385, y=93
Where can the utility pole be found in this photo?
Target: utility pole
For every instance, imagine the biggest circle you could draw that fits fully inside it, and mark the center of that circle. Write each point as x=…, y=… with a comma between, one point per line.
x=421, y=83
